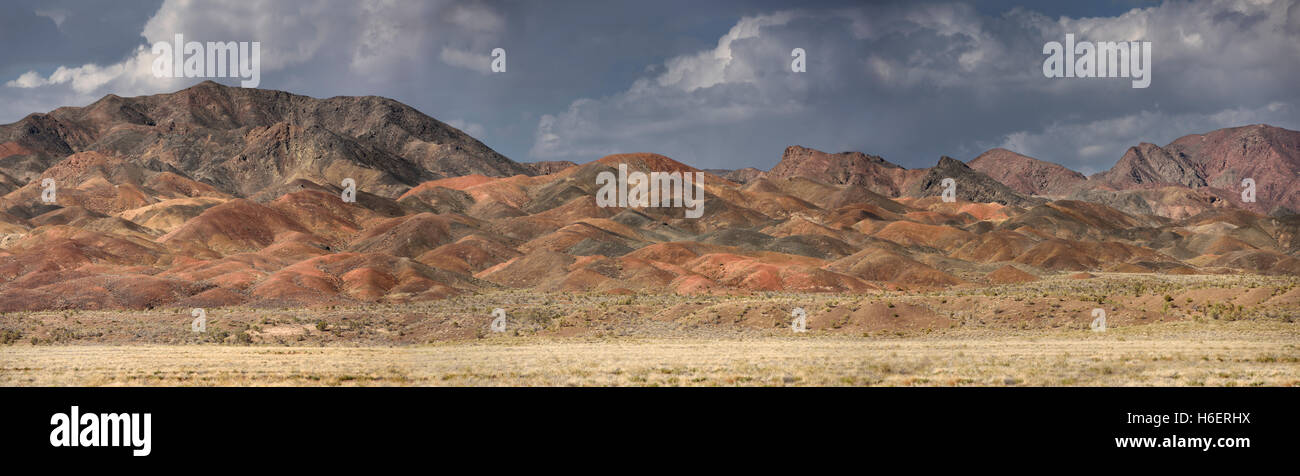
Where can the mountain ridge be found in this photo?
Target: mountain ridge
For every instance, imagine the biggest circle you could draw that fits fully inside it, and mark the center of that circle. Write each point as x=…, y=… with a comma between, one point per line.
x=221, y=135
x=155, y=209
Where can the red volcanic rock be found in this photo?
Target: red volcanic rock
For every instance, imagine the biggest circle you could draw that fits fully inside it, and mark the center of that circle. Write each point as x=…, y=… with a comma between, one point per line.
x=9, y=149
x=646, y=162
x=874, y=264
x=770, y=204
x=411, y=235
x=600, y=273
x=367, y=284
x=645, y=274
x=1148, y=165
x=100, y=291
x=846, y=168
x=356, y=276
x=1263, y=262
x=1069, y=255
x=671, y=252
x=771, y=272
x=743, y=176
x=995, y=246
x=915, y=234
x=1074, y=219
x=1171, y=201
x=694, y=284
x=1025, y=174
x=237, y=225
x=1009, y=274
x=1219, y=159
x=66, y=247
x=539, y=269
x=587, y=237
x=971, y=185
x=252, y=142
x=548, y=167
x=105, y=184
x=169, y=215
x=213, y=197
x=325, y=214
x=453, y=183
x=468, y=255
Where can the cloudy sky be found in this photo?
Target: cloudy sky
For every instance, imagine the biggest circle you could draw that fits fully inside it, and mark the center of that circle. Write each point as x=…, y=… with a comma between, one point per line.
x=707, y=83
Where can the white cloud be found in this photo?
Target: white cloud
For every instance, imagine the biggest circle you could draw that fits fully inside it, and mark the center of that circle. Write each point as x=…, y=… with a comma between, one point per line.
x=719, y=65
x=465, y=59
x=747, y=76
x=906, y=80
x=719, y=85
x=896, y=78
x=376, y=37
x=396, y=33
x=86, y=78
x=30, y=79
x=131, y=76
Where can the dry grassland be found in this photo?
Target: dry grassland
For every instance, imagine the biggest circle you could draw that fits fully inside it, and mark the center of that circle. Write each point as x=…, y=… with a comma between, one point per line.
x=1175, y=354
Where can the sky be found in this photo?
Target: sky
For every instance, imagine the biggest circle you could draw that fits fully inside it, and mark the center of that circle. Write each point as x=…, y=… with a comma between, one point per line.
x=707, y=83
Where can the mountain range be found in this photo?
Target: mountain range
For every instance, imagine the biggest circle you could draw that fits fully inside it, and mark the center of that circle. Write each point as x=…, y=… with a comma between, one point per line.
x=219, y=196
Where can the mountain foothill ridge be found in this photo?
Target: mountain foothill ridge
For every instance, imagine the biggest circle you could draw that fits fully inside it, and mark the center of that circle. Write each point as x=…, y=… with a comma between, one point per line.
x=220, y=196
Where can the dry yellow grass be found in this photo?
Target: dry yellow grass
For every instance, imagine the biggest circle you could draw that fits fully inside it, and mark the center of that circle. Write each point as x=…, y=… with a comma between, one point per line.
x=1171, y=354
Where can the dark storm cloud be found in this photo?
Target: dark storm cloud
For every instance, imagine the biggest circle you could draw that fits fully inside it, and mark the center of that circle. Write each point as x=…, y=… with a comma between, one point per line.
x=709, y=83
x=912, y=82
x=46, y=34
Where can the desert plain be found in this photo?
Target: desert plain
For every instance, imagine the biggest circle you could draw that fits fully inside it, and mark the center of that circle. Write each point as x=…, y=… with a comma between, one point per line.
x=1160, y=331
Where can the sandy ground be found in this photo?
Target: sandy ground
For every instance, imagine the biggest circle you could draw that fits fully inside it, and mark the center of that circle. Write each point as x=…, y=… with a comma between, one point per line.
x=1160, y=330
x=1239, y=353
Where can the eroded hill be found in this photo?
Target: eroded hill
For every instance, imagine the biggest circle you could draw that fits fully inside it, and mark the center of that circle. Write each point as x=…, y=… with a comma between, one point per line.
x=216, y=196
